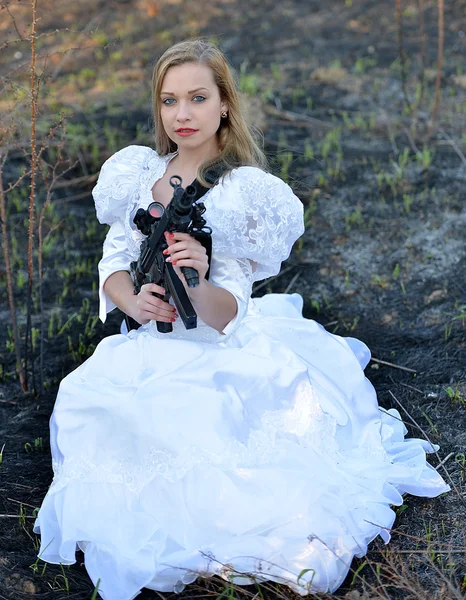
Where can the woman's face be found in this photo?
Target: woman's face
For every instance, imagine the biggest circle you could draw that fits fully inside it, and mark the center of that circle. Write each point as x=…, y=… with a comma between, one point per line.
x=191, y=107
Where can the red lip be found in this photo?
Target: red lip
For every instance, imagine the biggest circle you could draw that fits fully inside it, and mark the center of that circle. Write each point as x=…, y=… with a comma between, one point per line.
x=185, y=130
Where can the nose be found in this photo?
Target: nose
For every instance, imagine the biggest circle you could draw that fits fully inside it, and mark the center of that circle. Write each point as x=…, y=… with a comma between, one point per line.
x=183, y=113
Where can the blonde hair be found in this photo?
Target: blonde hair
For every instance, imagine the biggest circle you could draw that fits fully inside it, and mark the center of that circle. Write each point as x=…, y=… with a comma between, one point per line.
x=236, y=142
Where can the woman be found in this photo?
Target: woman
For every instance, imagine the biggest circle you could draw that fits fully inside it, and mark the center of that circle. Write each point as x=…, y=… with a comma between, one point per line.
x=252, y=444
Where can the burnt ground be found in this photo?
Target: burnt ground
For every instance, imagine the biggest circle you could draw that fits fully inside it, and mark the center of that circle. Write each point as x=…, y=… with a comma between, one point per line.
x=383, y=257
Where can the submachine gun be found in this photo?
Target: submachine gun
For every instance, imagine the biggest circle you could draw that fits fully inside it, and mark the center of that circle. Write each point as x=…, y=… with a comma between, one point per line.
x=183, y=213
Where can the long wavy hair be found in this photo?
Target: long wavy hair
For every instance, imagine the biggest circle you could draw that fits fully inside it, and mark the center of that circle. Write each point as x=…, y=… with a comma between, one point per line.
x=236, y=142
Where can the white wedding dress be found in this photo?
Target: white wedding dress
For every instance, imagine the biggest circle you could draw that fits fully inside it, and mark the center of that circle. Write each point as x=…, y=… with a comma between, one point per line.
x=260, y=450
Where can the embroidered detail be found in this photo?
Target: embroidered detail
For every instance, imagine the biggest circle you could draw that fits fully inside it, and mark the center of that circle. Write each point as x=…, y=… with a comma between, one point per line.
x=271, y=443
x=253, y=215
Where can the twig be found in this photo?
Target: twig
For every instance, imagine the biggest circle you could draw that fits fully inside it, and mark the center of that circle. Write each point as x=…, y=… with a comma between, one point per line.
x=32, y=193
x=77, y=181
x=267, y=281
x=422, y=77
x=14, y=22
x=401, y=52
x=444, y=460
x=11, y=300
x=438, y=79
x=16, y=517
x=292, y=282
x=297, y=118
x=411, y=140
x=411, y=387
x=389, y=364
x=450, y=141
x=21, y=503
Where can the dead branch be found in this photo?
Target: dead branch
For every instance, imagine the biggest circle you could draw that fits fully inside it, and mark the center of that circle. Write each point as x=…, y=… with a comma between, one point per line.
x=389, y=364
x=438, y=80
x=32, y=196
x=297, y=119
x=401, y=52
x=11, y=300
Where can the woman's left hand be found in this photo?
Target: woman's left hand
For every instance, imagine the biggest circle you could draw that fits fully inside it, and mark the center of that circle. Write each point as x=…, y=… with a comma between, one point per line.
x=185, y=251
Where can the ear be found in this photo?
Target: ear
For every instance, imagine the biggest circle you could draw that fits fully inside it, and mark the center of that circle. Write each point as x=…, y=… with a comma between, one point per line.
x=224, y=106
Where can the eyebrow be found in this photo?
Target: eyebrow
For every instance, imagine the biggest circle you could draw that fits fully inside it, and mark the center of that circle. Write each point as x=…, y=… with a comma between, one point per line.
x=190, y=91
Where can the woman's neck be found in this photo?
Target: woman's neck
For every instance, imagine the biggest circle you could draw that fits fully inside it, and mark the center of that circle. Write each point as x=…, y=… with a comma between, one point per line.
x=191, y=160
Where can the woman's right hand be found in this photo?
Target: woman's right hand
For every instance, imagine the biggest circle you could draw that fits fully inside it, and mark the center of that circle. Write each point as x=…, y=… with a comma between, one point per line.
x=148, y=307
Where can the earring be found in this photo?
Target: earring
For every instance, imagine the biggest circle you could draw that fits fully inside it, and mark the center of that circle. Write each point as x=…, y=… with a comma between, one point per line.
x=224, y=114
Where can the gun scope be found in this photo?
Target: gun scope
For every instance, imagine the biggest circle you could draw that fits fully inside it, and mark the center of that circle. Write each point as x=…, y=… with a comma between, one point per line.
x=144, y=219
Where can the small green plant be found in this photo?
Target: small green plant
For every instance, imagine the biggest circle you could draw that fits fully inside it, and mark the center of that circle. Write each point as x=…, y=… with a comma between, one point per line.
x=36, y=446
x=96, y=590
x=285, y=159
x=354, y=219
x=380, y=281
x=431, y=423
x=447, y=331
x=424, y=158
x=308, y=151
x=460, y=459
x=401, y=509
x=58, y=579
x=407, y=201
x=35, y=567
x=363, y=63
x=275, y=68
x=455, y=395
x=248, y=82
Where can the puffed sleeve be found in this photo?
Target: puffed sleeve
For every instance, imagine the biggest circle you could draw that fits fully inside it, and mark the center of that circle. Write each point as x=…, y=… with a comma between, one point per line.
x=255, y=218
x=115, y=257
x=117, y=182
x=116, y=186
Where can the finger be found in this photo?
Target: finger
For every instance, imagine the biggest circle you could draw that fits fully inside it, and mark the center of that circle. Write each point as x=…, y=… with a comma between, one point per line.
x=189, y=253
x=189, y=262
x=154, y=304
x=159, y=314
x=181, y=245
x=153, y=287
x=160, y=317
x=178, y=235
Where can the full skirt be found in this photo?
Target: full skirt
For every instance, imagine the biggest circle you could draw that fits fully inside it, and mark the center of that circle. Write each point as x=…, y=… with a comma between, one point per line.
x=261, y=457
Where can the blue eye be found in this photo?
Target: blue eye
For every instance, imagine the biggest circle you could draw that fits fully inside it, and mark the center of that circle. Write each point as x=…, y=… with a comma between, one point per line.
x=202, y=98
x=168, y=101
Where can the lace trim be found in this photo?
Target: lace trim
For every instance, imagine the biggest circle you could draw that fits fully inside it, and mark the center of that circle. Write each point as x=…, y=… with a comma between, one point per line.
x=270, y=443
x=150, y=172
x=255, y=215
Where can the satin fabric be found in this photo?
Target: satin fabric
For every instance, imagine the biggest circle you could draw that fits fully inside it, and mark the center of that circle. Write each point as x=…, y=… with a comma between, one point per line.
x=254, y=455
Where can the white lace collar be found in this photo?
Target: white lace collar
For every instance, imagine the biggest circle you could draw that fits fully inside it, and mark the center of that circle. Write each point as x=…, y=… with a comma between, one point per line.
x=151, y=172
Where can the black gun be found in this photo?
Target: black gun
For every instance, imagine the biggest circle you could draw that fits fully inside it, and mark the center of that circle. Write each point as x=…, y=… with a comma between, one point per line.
x=184, y=214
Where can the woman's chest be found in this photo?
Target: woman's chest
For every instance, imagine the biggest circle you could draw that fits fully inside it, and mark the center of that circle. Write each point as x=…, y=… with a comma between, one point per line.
x=163, y=188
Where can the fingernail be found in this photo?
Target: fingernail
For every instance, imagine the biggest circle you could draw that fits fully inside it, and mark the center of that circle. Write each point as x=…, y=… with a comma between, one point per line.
x=165, y=251
x=172, y=235
x=172, y=320
x=173, y=262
